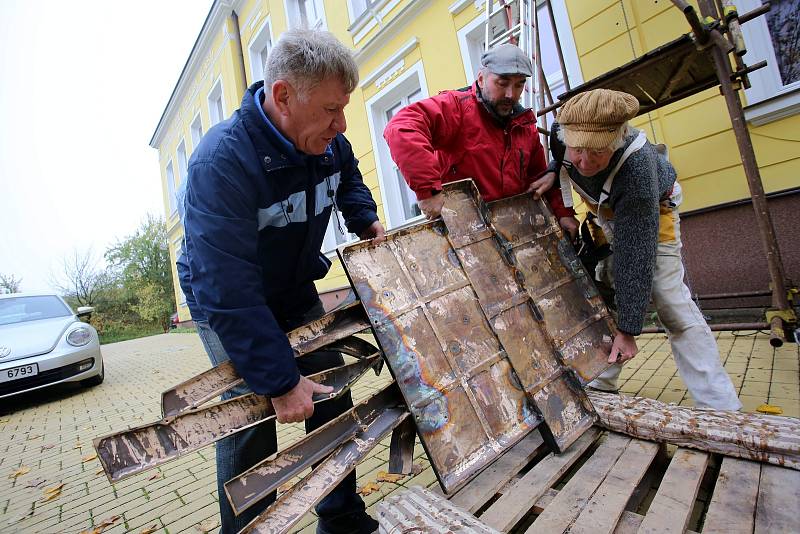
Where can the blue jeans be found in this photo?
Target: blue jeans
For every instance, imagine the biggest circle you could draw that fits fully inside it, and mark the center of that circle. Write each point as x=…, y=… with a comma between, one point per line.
x=342, y=510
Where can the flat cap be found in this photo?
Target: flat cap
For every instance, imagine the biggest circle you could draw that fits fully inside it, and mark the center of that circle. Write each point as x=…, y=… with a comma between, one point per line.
x=593, y=119
x=507, y=59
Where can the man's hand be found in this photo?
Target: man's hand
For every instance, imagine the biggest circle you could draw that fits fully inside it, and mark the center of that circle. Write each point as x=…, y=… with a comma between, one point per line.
x=432, y=207
x=623, y=349
x=296, y=405
x=374, y=232
x=542, y=184
x=570, y=225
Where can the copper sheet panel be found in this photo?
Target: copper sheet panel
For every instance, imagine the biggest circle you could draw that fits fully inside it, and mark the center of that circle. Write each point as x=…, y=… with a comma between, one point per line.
x=431, y=322
x=566, y=410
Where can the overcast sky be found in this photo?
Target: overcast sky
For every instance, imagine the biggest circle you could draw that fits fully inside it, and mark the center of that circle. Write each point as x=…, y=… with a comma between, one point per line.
x=82, y=86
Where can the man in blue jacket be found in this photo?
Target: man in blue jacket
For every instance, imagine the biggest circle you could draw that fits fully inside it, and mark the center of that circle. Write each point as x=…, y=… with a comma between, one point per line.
x=261, y=189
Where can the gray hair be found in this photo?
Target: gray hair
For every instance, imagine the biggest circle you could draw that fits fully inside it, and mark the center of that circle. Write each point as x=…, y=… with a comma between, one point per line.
x=619, y=140
x=304, y=58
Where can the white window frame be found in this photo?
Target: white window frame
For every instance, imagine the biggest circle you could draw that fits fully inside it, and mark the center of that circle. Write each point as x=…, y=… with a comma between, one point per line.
x=293, y=15
x=768, y=99
x=183, y=161
x=263, y=38
x=470, y=39
x=196, y=130
x=376, y=112
x=215, y=94
x=177, y=244
x=170, y=177
x=329, y=243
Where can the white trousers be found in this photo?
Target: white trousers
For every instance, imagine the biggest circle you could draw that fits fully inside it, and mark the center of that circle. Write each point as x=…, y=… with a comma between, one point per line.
x=693, y=345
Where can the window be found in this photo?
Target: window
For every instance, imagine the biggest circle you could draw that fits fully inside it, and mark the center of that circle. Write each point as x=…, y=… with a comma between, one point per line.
x=305, y=14
x=336, y=234
x=171, y=189
x=182, y=162
x=774, y=37
x=472, y=41
x=359, y=7
x=399, y=202
x=196, y=130
x=215, y=109
x=259, y=50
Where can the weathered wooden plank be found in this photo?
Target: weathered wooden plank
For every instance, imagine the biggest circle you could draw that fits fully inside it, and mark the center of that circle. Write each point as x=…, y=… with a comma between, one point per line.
x=752, y=436
x=778, y=508
x=605, y=507
x=521, y=496
x=628, y=523
x=733, y=503
x=672, y=507
x=571, y=500
x=486, y=484
x=418, y=510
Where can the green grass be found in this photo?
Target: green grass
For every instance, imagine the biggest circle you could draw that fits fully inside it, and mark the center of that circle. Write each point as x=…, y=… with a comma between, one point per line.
x=180, y=330
x=129, y=332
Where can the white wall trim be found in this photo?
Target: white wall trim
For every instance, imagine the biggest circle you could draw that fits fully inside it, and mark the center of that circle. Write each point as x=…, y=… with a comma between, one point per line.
x=289, y=7
x=386, y=65
x=459, y=5
x=779, y=107
x=379, y=151
x=217, y=85
x=257, y=41
x=378, y=41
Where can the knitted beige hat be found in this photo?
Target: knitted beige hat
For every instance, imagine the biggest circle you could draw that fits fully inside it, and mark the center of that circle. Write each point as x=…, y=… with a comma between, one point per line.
x=592, y=119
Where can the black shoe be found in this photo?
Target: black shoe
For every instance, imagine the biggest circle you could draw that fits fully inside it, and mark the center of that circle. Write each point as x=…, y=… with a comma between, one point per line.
x=362, y=523
x=612, y=391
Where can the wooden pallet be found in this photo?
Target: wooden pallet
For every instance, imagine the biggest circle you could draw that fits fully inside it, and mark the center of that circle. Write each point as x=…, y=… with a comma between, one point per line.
x=609, y=482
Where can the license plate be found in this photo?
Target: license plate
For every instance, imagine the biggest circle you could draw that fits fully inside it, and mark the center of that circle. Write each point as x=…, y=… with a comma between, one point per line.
x=15, y=373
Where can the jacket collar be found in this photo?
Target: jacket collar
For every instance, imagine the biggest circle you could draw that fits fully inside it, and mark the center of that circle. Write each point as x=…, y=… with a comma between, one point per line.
x=274, y=149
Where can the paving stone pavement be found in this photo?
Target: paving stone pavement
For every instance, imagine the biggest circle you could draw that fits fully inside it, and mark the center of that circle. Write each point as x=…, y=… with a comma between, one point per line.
x=48, y=434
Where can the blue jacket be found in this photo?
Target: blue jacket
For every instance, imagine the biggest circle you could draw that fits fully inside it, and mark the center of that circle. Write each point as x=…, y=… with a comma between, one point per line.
x=255, y=214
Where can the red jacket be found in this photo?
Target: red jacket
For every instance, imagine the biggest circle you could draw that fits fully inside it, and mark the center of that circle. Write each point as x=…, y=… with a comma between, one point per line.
x=452, y=136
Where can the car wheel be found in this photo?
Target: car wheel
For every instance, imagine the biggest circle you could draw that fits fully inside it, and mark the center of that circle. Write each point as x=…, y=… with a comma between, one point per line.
x=95, y=380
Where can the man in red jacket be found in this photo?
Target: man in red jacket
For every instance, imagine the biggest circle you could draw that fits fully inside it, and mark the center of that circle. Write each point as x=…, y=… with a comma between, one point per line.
x=481, y=132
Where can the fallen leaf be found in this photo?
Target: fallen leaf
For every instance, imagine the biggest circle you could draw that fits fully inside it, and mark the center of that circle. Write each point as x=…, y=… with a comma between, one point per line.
x=155, y=477
x=54, y=489
x=19, y=472
x=35, y=483
x=370, y=487
x=99, y=472
x=4, y=421
x=87, y=428
x=770, y=409
x=89, y=458
x=208, y=525
x=37, y=436
x=383, y=476
x=149, y=530
x=77, y=445
x=107, y=522
x=416, y=469
x=47, y=447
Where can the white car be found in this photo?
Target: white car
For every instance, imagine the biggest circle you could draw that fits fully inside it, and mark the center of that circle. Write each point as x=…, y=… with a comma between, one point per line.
x=43, y=342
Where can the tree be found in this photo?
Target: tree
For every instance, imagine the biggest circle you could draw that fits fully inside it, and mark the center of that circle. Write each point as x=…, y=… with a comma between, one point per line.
x=84, y=280
x=9, y=284
x=141, y=267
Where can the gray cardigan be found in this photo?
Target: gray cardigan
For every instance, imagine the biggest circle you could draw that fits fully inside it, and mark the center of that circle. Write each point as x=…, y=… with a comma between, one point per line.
x=644, y=179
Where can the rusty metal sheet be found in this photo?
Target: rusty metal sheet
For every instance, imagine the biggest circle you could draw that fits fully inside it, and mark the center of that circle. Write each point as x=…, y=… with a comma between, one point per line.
x=433, y=326
x=291, y=506
x=573, y=312
x=334, y=329
x=452, y=307
x=126, y=453
x=260, y=480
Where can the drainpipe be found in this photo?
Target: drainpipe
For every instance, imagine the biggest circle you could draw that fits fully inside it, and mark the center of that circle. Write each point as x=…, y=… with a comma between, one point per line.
x=239, y=51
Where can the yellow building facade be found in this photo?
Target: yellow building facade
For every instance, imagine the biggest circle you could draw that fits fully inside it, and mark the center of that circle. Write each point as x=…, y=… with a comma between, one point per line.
x=411, y=49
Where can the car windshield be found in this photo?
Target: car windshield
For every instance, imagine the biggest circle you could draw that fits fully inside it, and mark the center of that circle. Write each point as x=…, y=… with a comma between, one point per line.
x=21, y=309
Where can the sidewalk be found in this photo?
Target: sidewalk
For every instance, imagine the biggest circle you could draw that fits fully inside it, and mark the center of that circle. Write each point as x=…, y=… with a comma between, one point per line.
x=48, y=435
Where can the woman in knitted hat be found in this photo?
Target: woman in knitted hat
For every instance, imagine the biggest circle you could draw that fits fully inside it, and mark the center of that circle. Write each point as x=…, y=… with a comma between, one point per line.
x=631, y=188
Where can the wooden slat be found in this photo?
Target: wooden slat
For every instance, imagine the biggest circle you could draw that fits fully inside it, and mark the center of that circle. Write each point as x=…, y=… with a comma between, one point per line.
x=628, y=523
x=604, y=509
x=672, y=507
x=518, y=500
x=778, y=508
x=494, y=477
x=570, y=500
x=733, y=503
